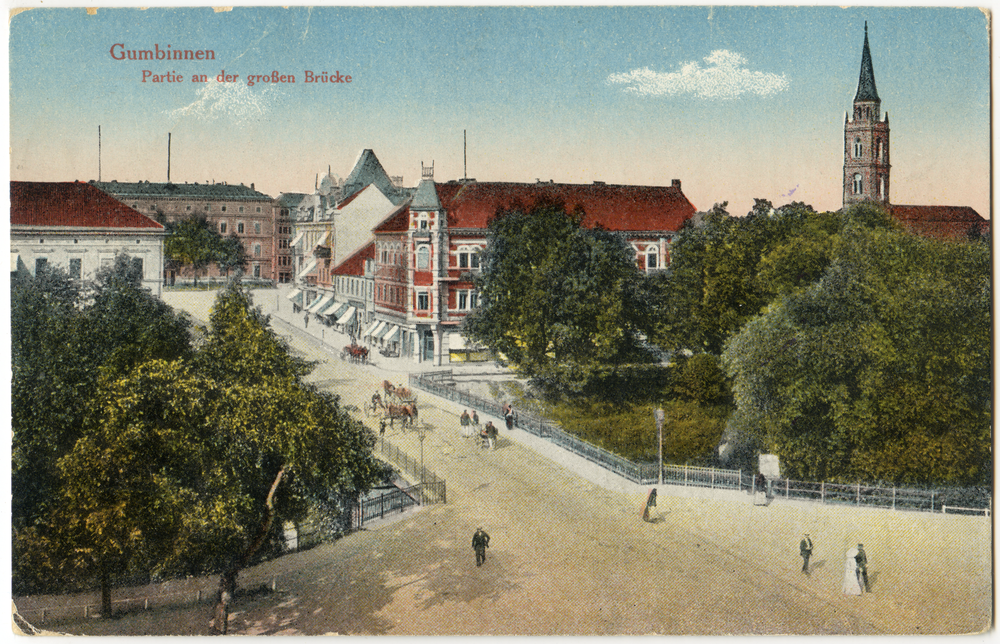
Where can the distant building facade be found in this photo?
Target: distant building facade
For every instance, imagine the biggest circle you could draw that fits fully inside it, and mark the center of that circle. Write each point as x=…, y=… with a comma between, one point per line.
x=230, y=209
x=81, y=229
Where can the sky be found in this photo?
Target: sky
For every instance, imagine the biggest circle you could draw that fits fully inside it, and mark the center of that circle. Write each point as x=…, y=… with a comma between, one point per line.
x=736, y=102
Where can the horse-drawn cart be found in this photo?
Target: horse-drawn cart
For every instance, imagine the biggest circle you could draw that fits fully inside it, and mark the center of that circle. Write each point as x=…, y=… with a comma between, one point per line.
x=355, y=353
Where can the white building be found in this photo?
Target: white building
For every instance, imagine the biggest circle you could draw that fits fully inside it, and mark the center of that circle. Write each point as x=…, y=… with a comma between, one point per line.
x=79, y=228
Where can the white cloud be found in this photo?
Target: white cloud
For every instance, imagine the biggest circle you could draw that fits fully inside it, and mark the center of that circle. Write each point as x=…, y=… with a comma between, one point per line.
x=234, y=101
x=724, y=76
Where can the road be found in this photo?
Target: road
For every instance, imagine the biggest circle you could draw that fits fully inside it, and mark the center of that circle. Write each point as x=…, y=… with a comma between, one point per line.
x=570, y=557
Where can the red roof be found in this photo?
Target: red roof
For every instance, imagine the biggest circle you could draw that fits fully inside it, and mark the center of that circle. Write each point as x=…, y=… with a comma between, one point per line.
x=355, y=264
x=939, y=221
x=397, y=222
x=615, y=207
x=78, y=205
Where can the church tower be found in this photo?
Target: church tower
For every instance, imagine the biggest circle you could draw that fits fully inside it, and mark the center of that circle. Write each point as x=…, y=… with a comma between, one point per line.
x=866, y=141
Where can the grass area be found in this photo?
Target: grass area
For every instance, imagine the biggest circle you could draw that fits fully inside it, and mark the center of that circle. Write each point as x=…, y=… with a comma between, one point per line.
x=690, y=431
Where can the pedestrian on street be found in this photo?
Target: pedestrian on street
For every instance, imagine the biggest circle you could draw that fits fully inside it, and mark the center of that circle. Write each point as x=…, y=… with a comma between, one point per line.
x=650, y=503
x=861, y=559
x=306, y=320
x=508, y=416
x=491, y=433
x=475, y=417
x=480, y=542
x=805, y=549
x=466, y=422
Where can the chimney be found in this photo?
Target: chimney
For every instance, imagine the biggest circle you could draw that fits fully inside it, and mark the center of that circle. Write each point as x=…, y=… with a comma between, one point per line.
x=251, y=185
x=676, y=183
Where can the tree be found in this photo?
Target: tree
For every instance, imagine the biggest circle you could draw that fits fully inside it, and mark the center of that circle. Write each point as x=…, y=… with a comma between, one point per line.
x=193, y=242
x=559, y=301
x=185, y=469
x=879, y=371
x=231, y=254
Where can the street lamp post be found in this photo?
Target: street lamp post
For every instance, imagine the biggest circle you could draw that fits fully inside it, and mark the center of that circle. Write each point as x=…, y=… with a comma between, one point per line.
x=658, y=415
x=421, y=436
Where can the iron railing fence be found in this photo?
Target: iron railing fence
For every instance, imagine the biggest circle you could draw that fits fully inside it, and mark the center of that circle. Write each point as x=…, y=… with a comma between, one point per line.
x=409, y=464
x=954, y=500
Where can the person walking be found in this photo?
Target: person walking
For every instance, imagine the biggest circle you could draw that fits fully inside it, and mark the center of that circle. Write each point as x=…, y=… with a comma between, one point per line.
x=306, y=320
x=465, y=422
x=475, y=417
x=491, y=434
x=861, y=560
x=508, y=416
x=480, y=542
x=805, y=550
x=650, y=503
x=851, y=584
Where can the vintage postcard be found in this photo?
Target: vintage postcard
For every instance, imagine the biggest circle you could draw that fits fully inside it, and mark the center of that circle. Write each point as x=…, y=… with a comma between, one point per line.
x=506, y=320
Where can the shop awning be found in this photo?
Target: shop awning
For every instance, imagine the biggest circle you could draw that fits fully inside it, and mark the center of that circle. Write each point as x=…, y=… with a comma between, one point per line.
x=385, y=331
x=297, y=297
x=329, y=308
x=310, y=267
x=394, y=336
x=324, y=240
x=375, y=329
x=295, y=292
x=319, y=303
x=347, y=316
x=298, y=239
x=335, y=310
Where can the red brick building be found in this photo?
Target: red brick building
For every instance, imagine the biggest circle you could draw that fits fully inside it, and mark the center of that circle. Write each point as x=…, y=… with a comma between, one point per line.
x=867, y=168
x=427, y=251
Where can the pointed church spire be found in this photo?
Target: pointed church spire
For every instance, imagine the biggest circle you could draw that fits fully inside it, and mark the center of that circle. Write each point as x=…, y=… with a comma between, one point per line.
x=866, y=83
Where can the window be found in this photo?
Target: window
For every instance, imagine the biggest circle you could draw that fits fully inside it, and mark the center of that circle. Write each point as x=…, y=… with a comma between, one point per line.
x=40, y=264
x=463, y=300
x=881, y=187
x=256, y=228
x=423, y=258
x=258, y=208
x=473, y=299
x=222, y=228
x=857, y=148
x=188, y=208
x=256, y=270
x=879, y=152
x=208, y=207
x=423, y=301
x=241, y=208
x=137, y=265
x=256, y=250
x=858, y=185
x=75, y=268
x=651, y=258
x=223, y=209
x=239, y=228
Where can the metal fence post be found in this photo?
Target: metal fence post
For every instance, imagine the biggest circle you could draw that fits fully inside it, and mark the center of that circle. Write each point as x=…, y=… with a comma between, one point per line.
x=893, y=497
x=859, y=494
x=685, y=474
x=932, y=501
x=822, y=492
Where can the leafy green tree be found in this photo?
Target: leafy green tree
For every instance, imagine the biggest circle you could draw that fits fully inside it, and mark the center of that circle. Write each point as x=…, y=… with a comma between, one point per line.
x=558, y=301
x=879, y=371
x=231, y=254
x=727, y=269
x=193, y=242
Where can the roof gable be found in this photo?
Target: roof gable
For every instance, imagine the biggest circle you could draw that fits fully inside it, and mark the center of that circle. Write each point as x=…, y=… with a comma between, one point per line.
x=369, y=171
x=397, y=222
x=78, y=205
x=355, y=264
x=939, y=221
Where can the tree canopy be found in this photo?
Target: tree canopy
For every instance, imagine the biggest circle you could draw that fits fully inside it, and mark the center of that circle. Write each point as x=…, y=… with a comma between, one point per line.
x=878, y=371
x=183, y=459
x=558, y=301
x=195, y=242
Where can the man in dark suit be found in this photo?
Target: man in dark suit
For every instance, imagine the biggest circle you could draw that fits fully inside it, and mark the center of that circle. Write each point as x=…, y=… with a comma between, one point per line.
x=861, y=559
x=806, y=550
x=480, y=542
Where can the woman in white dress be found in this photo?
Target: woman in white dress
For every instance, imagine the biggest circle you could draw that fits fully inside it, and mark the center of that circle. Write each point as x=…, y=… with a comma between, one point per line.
x=851, y=585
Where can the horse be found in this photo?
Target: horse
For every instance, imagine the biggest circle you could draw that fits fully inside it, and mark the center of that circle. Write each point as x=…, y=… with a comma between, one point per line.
x=407, y=413
x=355, y=353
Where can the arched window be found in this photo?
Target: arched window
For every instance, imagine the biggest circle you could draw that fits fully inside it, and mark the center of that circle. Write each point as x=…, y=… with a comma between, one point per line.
x=881, y=187
x=879, y=152
x=858, y=184
x=423, y=258
x=857, y=148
